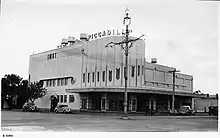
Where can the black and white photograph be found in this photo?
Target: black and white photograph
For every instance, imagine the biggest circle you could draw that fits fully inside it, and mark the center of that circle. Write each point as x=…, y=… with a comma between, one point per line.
x=108, y=66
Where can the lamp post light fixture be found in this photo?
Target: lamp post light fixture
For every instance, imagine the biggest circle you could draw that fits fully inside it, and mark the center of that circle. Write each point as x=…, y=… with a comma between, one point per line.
x=126, y=22
x=173, y=95
x=127, y=18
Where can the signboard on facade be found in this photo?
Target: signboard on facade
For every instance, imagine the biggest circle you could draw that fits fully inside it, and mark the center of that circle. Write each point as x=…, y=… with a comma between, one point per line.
x=105, y=33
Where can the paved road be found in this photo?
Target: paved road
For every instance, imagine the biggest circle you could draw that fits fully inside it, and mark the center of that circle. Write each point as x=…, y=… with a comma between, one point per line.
x=26, y=121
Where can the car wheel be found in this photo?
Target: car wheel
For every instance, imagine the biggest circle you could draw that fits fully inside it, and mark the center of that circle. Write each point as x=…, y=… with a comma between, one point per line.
x=56, y=111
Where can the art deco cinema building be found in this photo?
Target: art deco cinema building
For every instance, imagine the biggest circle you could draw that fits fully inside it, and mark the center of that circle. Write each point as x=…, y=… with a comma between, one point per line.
x=86, y=75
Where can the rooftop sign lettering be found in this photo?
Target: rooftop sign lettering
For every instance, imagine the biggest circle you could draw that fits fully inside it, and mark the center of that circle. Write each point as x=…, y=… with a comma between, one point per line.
x=112, y=32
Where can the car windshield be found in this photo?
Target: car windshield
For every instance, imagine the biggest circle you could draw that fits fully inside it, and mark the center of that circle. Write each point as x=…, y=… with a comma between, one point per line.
x=63, y=105
x=184, y=108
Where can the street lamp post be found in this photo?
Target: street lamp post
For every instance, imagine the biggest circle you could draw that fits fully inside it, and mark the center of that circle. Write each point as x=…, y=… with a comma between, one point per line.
x=126, y=22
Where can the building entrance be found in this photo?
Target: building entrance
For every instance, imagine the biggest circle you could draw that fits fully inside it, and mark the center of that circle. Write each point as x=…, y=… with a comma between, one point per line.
x=53, y=102
x=96, y=102
x=96, y=105
x=103, y=104
x=112, y=105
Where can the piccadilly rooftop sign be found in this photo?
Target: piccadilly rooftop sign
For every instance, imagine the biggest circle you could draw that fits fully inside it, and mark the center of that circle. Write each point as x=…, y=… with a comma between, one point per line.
x=112, y=32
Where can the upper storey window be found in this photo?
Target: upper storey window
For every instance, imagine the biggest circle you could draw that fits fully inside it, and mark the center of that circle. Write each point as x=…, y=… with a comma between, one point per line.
x=110, y=75
x=88, y=77
x=60, y=81
x=103, y=76
x=132, y=71
x=93, y=76
x=51, y=56
x=98, y=76
x=117, y=73
x=139, y=68
x=84, y=77
x=66, y=81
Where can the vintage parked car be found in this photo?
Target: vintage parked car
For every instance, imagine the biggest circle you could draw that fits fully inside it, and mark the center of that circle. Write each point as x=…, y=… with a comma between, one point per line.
x=213, y=110
x=62, y=109
x=186, y=110
x=31, y=107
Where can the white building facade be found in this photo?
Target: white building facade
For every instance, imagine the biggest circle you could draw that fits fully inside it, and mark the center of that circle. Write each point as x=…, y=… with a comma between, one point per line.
x=86, y=75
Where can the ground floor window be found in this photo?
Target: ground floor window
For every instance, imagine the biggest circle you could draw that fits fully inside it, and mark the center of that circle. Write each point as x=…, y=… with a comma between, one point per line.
x=162, y=105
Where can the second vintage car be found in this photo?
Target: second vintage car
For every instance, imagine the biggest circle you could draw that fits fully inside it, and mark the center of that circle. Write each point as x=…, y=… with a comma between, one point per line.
x=186, y=110
x=62, y=109
x=31, y=107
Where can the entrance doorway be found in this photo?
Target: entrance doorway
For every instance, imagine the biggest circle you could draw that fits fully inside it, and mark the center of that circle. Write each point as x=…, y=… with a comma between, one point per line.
x=96, y=105
x=112, y=105
x=53, y=102
x=121, y=105
x=103, y=104
x=134, y=105
x=96, y=102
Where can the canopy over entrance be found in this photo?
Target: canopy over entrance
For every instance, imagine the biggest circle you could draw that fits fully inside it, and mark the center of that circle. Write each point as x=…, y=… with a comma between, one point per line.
x=135, y=90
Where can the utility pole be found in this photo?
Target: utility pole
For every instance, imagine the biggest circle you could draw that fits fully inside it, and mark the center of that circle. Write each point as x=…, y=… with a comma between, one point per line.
x=127, y=22
x=173, y=95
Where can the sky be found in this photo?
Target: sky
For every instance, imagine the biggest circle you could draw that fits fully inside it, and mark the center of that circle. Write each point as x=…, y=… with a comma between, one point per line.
x=180, y=35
